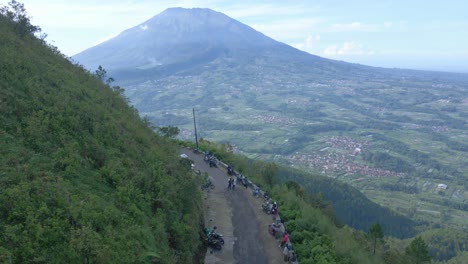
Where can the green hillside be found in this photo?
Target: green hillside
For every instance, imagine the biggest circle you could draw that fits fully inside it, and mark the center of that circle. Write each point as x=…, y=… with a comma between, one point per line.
x=83, y=179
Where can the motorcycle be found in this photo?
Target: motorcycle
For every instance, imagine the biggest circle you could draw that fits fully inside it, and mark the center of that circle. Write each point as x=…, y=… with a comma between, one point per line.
x=208, y=185
x=207, y=156
x=216, y=237
x=245, y=182
x=266, y=207
x=213, y=162
x=214, y=244
x=256, y=192
x=213, y=239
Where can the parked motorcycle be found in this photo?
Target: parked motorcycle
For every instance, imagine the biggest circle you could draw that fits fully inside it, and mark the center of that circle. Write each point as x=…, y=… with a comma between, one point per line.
x=266, y=207
x=214, y=244
x=208, y=185
x=256, y=192
x=213, y=239
x=213, y=163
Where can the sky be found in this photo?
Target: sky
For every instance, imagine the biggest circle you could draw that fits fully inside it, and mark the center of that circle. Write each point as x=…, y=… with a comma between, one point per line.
x=411, y=34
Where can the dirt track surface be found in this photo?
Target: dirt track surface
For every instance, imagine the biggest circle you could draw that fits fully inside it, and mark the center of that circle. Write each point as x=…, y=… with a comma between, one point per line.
x=238, y=216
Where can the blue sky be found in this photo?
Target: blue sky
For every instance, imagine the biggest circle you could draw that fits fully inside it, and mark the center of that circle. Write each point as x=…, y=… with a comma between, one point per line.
x=415, y=34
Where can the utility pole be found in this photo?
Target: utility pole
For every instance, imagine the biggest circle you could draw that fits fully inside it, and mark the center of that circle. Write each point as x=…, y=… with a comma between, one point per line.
x=196, y=137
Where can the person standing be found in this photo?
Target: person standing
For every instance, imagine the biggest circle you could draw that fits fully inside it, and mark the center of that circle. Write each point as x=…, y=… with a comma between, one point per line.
x=285, y=239
x=229, y=183
x=286, y=253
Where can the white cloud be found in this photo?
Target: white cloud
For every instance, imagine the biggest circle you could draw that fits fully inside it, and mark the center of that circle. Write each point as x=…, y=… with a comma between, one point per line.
x=347, y=48
x=290, y=29
x=359, y=26
x=243, y=11
x=308, y=44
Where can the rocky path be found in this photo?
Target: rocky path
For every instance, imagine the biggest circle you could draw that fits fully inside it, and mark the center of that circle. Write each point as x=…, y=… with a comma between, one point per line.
x=238, y=216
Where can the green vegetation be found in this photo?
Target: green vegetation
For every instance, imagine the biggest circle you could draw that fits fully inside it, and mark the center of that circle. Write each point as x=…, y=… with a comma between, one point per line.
x=311, y=204
x=417, y=251
x=376, y=234
x=83, y=178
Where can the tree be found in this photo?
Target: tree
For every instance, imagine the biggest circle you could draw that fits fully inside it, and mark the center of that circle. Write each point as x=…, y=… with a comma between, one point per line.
x=16, y=12
x=101, y=73
x=417, y=251
x=268, y=173
x=375, y=233
x=169, y=131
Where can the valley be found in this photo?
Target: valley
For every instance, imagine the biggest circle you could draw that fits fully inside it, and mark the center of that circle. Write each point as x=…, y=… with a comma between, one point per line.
x=396, y=153
x=394, y=134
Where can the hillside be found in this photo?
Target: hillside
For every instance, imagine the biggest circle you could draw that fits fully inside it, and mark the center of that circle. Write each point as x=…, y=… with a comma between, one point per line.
x=83, y=178
x=394, y=134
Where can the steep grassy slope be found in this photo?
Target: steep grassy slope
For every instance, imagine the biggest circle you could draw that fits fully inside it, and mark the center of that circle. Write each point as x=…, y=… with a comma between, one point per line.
x=83, y=179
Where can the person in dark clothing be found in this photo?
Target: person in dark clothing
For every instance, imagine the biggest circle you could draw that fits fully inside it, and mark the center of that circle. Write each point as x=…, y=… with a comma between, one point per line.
x=230, y=170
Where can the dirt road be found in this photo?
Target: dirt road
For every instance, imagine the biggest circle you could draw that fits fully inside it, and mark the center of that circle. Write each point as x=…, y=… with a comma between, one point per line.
x=238, y=216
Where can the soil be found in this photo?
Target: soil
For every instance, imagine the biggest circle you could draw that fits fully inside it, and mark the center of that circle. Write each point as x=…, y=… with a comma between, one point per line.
x=237, y=214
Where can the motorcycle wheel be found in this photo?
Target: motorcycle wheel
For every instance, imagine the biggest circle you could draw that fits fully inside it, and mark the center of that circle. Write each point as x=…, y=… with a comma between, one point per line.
x=217, y=247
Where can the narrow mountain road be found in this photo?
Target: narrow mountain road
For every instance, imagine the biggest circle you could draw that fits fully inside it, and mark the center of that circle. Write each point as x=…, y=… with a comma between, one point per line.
x=238, y=216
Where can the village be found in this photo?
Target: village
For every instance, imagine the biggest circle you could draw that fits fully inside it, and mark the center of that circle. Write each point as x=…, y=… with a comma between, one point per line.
x=332, y=162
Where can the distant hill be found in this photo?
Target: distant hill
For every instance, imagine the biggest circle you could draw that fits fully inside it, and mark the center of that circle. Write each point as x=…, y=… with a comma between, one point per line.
x=389, y=132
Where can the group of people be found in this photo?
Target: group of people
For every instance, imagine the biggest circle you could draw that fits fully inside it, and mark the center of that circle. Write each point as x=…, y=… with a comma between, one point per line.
x=288, y=253
x=240, y=179
x=210, y=159
x=274, y=211
x=276, y=230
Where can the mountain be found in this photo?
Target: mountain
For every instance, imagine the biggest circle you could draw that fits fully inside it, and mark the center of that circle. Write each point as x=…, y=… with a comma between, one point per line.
x=182, y=40
x=176, y=35
x=389, y=132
